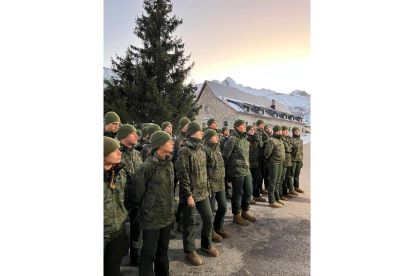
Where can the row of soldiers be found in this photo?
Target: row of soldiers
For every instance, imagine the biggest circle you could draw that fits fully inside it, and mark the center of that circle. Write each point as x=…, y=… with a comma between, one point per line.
x=142, y=169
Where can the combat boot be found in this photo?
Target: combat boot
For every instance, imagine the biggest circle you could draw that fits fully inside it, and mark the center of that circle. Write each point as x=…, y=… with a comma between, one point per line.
x=289, y=196
x=263, y=192
x=239, y=220
x=172, y=234
x=292, y=192
x=259, y=198
x=176, y=199
x=216, y=237
x=194, y=258
x=223, y=233
x=281, y=202
x=275, y=205
x=252, y=202
x=212, y=251
x=180, y=227
x=228, y=196
x=299, y=190
x=197, y=223
x=284, y=198
x=247, y=216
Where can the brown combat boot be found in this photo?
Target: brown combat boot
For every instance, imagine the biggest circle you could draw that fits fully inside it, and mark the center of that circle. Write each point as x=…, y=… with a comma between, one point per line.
x=292, y=192
x=252, y=202
x=275, y=205
x=239, y=220
x=176, y=199
x=223, y=233
x=212, y=251
x=263, y=192
x=260, y=199
x=284, y=198
x=216, y=237
x=299, y=190
x=281, y=202
x=194, y=258
x=247, y=216
x=172, y=234
x=180, y=227
x=289, y=196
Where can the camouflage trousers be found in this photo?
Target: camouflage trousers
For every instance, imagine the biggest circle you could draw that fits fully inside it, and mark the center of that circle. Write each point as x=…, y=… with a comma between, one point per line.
x=275, y=176
x=242, y=193
x=287, y=180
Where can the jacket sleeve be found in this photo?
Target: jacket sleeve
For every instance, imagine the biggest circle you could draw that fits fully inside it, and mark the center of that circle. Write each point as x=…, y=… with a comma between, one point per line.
x=259, y=139
x=227, y=149
x=268, y=150
x=207, y=150
x=139, y=184
x=183, y=167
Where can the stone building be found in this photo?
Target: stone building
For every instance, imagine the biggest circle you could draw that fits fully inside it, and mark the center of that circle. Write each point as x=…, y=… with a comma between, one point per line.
x=227, y=104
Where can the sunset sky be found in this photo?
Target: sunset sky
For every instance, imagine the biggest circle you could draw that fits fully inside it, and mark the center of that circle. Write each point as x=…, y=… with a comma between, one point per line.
x=261, y=44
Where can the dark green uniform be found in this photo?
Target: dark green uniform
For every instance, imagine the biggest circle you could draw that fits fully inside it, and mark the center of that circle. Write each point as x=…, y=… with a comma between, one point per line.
x=222, y=141
x=154, y=184
x=146, y=149
x=216, y=172
x=177, y=146
x=110, y=134
x=261, y=138
x=192, y=175
x=275, y=155
x=236, y=157
x=139, y=144
x=132, y=160
x=115, y=215
x=287, y=179
x=297, y=158
x=254, y=165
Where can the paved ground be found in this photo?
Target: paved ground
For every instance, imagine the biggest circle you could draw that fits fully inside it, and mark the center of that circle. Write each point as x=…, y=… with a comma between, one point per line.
x=278, y=243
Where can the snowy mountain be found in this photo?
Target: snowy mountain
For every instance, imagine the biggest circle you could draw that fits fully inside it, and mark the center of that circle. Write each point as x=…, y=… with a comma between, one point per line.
x=297, y=101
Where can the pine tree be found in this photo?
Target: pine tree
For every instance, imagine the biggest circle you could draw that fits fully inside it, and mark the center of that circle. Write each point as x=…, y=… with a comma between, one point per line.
x=152, y=78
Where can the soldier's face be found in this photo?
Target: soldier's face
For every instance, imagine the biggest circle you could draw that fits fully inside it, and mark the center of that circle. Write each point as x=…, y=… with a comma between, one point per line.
x=226, y=132
x=285, y=132
x=279, y=132
x=168, y=147
x=214, y=139
x=260, y=127
x=131, y=139
x=214, y=125
x=251, y=131
x=113, y=158
x=241, y=128
x=268, y=130
x=297, y=132
x=198, y=135
x=112, y=127
x=185, y=128
x=168, y=129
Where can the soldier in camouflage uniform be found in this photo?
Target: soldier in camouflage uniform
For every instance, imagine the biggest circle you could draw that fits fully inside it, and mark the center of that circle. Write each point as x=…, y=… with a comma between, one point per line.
x=141, y=141
x=223, y=139
x=182, y=125
x=219, y=133
x=132, y=158
x=215, y=173
x=167, y=127
x=112, y=122
x=297, y=157
x=254, y=164
x=115, y=214
x=194, y=192
x=153, y=186
x=236, y=157
x=287, y=178
x=261, y=139
x=146, y=148
x=275, y=155
x=212, y=124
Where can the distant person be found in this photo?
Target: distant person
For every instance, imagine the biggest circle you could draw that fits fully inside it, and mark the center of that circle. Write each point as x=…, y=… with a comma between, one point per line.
x=194, y=192
x=223, y=139
x=254, y=164
x=219, y=133
x=215, y=173
x=114, y=212
x=275, y=155
x=261, y=138
x=141, y=141
x=236, y=157
x=167, y=127
x=287, y=178
x=146, y=148
x=154, y=182
x=212, y=124
x=297, y=158
x=112, y=122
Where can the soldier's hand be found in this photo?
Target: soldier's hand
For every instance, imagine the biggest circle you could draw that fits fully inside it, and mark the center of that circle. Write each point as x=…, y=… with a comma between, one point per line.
x=190, y=201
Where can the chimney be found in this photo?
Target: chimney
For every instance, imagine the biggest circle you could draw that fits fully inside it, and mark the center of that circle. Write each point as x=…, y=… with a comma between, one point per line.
x=273, y=106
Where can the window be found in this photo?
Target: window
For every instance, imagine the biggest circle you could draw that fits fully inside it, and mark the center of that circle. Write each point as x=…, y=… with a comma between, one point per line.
x=289, y=128
x=246, y=109
x=204, y=125
x=225, y=123
x=275, y=115
x=207, y=108
x=261, y=111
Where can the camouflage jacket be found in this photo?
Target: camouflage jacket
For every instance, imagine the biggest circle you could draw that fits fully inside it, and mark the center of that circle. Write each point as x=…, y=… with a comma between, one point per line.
x=132, y=160
x=191, y=167
x=223, y=140
x=215, y=167
x=146, y=149
x=177, y=146
x=154, y=190
x=261, y=138
x=110, y=134
x=287, y=143
x=253, y=151
x=115, y=213
x=275, y=151
x=139, y=144
x=297, y=149
x=236, y=155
